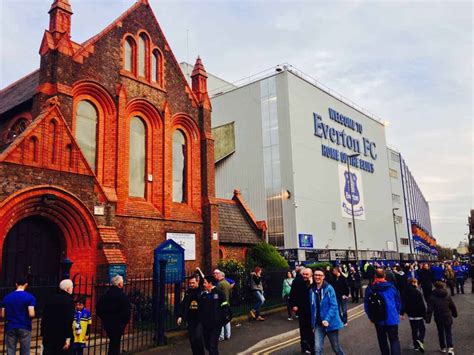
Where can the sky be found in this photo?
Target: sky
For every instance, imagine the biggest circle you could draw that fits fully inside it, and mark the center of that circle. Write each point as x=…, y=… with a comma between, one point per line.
x=408, y=62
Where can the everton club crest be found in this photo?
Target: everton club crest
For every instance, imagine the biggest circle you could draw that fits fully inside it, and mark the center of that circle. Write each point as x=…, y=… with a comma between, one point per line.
x=351, y=194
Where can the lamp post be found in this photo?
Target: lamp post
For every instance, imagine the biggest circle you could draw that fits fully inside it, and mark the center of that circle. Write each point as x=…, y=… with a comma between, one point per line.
x=395, y=228
x=352, y=156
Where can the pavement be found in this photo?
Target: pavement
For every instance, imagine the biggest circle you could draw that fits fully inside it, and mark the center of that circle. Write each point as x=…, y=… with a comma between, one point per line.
x=279, y=336
x=359, y=336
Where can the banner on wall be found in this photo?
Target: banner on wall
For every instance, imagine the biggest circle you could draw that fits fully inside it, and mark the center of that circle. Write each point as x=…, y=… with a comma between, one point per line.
x=351, y=182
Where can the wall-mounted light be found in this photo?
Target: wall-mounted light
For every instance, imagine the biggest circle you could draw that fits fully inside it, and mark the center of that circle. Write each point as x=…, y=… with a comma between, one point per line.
x=287, y=194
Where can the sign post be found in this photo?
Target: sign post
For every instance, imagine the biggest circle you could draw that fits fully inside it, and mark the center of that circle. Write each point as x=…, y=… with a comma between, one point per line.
x=168, y=267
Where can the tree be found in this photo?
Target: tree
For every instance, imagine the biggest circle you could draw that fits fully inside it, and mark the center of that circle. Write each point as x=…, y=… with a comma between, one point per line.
x=444, y=253
x=266, y=256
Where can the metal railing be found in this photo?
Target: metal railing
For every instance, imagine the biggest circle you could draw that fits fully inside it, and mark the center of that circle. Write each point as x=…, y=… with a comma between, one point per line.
x=141, y=331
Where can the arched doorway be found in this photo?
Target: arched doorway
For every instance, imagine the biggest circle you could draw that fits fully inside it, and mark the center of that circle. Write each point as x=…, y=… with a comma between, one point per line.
x=32, y=249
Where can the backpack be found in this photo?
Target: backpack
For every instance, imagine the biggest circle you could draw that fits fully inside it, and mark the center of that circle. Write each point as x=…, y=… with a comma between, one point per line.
x=376, y=307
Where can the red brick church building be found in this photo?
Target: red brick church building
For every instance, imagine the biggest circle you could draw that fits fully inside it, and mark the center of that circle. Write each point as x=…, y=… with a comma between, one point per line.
x=105, y=150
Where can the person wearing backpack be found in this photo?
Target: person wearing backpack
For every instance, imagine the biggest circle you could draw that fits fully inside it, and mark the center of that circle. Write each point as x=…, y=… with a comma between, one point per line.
x=382, y=305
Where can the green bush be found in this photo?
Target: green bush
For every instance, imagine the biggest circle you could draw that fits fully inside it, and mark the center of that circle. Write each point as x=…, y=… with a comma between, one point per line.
x=322, y=265
x=267, y=257
x=231, y=267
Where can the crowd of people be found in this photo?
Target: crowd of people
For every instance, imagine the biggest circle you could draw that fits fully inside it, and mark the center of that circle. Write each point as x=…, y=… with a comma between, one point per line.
x=318, y=299
x=66, y=322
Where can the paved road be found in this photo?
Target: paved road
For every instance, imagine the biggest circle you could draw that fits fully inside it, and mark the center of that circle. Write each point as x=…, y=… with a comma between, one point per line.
x=359, y=337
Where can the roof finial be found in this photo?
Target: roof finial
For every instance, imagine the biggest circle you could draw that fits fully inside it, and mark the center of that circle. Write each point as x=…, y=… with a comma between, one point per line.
x=60, y=17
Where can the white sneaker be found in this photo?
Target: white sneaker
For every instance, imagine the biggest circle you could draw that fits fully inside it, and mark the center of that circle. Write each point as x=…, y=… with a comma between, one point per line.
x=451, y=351
x=444, y=350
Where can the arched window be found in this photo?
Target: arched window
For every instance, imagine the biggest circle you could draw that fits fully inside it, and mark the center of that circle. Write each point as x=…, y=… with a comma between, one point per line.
x=86, y=131
x=142, y=44
x=155, y=63
x=129, y=49
x=179, y=167
x=137, y=165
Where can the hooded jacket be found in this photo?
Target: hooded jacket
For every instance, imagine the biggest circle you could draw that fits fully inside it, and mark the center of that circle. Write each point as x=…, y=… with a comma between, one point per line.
x=443, y=307
x=412, y=303
x=329, y=309
x=392, y=301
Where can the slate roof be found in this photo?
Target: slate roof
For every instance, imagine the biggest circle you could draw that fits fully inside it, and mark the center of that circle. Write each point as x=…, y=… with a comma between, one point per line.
x=19, y=92
x=235, y=227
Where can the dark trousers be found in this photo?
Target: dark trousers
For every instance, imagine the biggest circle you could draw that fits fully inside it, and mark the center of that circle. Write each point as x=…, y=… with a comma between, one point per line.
x=418, y=331
x=114, y=344
x=288, y=305
x=388, y=334
x=444, y=335
x=450, y=284
x=77, y=349
x=460, y=284
x=355, y=294
x=54, y=347
x=426, y=292
x=306, y=333
x=211, y=339
x=195, y=338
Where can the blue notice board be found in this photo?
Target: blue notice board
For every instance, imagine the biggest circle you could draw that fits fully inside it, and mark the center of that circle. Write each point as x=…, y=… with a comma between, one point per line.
x=118, y=269
x=173, y=253
x=305, y=240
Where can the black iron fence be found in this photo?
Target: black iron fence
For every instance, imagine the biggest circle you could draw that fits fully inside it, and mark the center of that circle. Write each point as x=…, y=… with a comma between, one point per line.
x=141, y=333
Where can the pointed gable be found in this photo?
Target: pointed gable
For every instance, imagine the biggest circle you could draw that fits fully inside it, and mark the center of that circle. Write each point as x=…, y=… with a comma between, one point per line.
x=48, y=143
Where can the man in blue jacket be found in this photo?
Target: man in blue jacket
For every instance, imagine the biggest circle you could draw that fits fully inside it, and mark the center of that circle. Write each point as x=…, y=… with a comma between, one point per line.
x=382, y=305
x=325, y=318
x=460, y=272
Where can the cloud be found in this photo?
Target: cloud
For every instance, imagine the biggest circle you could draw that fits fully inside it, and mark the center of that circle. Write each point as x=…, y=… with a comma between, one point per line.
x=408, y=62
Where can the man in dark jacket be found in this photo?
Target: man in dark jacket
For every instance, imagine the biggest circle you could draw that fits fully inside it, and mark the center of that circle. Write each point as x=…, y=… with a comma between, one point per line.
x=300, y=303
x=339, y=283
x=401, y=279
x=414, y=306
x=388, y=327
x=354, y=284
x=189, y=312
x=425, y=277
x=56, y=324
x=114, y=310
x=444, y=311
x=213, y=308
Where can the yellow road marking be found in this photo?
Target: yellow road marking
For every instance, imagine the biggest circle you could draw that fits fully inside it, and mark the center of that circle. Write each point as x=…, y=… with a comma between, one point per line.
x=276, y=347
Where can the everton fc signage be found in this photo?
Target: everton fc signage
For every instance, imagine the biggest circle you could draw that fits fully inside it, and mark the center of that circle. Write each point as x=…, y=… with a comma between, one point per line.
x=363, y=146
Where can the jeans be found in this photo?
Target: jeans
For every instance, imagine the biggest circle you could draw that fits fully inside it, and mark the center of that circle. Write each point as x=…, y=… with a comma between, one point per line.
x=418, y=331
x=460, y=284
x=319, y=334
x=15, y=335
x=342, y=303
x=445, y=336
x=390, y=331
x=225, y=332
x=259, y=301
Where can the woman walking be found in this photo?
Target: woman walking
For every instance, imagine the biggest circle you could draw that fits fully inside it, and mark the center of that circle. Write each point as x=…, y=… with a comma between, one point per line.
x=285, y=293
x=444, y=311
x=450, y=278
x=257, y=289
